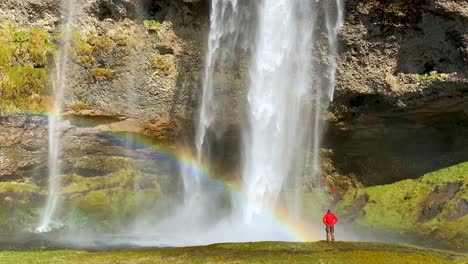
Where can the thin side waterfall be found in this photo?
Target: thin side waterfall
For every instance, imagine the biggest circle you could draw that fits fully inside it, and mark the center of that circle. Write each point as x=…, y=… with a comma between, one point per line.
x=47, y=219
x=334, y=20
x=222, y=40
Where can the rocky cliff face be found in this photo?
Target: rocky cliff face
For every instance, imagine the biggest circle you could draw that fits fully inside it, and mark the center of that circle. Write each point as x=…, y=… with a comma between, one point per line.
x=401, y=107
x=129, y=58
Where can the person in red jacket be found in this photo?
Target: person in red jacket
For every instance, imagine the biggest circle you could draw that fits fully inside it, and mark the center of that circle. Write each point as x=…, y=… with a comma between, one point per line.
x=329, y=219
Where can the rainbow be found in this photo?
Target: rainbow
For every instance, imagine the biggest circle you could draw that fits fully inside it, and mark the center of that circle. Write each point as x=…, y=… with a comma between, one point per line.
x=297, y=229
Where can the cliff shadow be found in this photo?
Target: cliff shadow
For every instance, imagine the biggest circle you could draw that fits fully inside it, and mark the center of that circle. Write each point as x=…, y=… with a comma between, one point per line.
x=381, y=143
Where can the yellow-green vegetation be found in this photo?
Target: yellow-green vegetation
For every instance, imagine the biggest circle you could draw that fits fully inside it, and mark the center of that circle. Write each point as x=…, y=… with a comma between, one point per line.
x=102, y=43
x=18, y=187
x=105, y=202
x=399, y=206
x=78, y=184
x=264, y=252
x=105, y=164
x=120, y=40
x=17, y=203
x=99, y=75
x=78, y=106
x=85, y=49
x=152, y=25
x=82, y=51
x=163, y=63
x=24, y=72
x=433, y=75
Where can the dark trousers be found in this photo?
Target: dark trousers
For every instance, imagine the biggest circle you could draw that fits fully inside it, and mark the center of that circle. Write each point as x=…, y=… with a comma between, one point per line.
x=330, y=233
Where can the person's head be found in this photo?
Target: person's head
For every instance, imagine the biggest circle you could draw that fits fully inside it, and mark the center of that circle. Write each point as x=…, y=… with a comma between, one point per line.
x=328, y=211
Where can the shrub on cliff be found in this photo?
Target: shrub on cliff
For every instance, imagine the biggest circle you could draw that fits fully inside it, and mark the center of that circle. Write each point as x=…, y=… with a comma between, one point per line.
x=99, y=75
x=24, y=68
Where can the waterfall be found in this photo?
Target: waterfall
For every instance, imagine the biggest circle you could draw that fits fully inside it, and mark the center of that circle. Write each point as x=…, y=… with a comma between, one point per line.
x=223, y=25
x=58, y=83
x=278, y=111
x=289, y=90
x=291, y=81
x=223, y=38
x=334, y=20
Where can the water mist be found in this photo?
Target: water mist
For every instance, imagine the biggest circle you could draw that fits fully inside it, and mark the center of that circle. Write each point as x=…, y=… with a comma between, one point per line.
x=288, y=89
x=223, y=40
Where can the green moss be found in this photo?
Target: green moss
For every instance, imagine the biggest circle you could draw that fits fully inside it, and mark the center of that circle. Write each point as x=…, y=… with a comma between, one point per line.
x=120, y=40
x=264, y=252
x=103, y=43
x=75, y=183
x=456, y=232
x=163, y=63
x=19, y=188
x=398, y=206
x=82, y=52
x=22, y=88
x=17, y=204
x=152, y=25
x=99, y=75
x=457, y=173
x=24, y=68
x=78, y=106
x=20, y=36
x=348, y=199
x=86, y=50
x=393, y=206
x=431, y=76
x=108, y=202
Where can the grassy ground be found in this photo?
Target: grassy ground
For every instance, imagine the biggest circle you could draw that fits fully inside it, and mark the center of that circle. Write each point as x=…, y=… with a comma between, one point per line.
x=264, y=252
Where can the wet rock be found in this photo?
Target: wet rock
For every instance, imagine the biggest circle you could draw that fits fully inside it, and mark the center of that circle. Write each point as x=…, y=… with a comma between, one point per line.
x=457, y=7
x=23, y=147
x=436, y=201
x=355, y=210
x=459, y=210
x=114, y=9
x=40, y=13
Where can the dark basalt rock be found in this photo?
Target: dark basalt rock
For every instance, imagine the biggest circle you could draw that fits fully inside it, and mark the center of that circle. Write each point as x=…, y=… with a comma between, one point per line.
x=114, y=9
x=436, y=201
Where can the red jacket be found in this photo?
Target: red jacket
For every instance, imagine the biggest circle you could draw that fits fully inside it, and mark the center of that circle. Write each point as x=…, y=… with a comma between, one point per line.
x=329, y=219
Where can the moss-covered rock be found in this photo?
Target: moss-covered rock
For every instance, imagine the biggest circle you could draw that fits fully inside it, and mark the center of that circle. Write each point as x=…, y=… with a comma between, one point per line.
x=18, y=205
x=422, y=206
x=108, y=202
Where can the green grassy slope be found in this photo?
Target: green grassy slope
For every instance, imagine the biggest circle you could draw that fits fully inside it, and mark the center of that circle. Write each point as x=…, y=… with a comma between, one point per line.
x=264, y=252
x=399, y=206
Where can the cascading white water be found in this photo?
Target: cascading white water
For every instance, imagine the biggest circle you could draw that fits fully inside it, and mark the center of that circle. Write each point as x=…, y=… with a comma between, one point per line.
x=286, y=101
x=223, y=23
x=334, y=20
x=222, y=41
x=276, y=135
x=59, y=82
